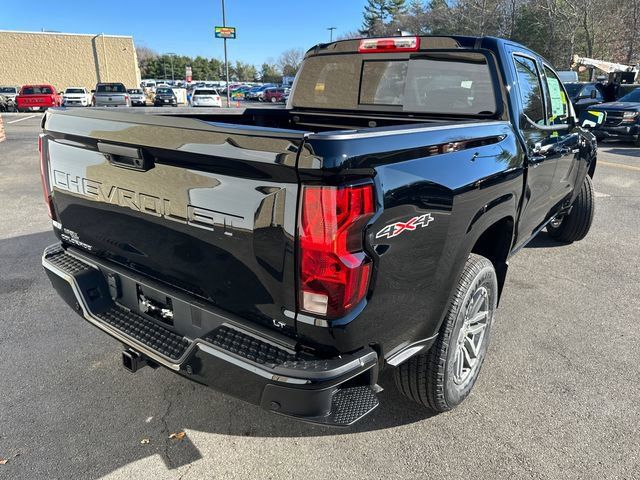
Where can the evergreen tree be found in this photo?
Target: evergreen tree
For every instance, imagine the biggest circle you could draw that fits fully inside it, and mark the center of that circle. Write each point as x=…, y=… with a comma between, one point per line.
x=376, y=13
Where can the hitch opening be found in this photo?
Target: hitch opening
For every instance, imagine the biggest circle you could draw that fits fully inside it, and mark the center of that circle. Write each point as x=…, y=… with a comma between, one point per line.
x=133, y=361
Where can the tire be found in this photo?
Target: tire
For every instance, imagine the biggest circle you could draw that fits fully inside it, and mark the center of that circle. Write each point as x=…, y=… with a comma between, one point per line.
x=575, y=226
x=431, y=378
x=274, y=99
x=637, y=142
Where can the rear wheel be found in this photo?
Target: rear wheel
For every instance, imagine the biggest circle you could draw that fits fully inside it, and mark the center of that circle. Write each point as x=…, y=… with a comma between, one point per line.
x=576, y=224
x=274, y=99
x=444, y=376
x=637, y=142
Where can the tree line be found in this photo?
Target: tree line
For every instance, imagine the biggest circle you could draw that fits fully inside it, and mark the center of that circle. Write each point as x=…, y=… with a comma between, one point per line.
x=557, y=29
x=159, y=66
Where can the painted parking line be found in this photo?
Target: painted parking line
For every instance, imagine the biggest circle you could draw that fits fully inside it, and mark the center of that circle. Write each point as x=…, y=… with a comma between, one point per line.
x=613, y=164
x=21, y=119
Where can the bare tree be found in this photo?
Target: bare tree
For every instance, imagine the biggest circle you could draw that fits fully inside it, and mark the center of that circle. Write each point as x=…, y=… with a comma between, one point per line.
x=290, y=60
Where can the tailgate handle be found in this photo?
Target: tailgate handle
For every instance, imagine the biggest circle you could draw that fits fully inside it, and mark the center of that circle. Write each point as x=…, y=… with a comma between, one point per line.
x=126, y=157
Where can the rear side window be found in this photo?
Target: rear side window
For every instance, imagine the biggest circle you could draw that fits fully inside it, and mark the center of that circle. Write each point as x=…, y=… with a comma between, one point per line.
x=529, y=87
x=434, y=82
x=205, y=92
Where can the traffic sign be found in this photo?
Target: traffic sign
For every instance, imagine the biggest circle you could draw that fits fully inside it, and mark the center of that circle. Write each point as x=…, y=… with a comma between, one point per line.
x=225, y=32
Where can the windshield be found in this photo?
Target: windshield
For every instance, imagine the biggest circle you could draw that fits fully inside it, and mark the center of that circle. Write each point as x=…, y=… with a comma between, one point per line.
x=205, y=92
x=74, y=90
x=111, y=88
x=8, y=90
x=164, y=91
x=633, y=96
x=37, y=90
x=573, y=88
x=435, y=82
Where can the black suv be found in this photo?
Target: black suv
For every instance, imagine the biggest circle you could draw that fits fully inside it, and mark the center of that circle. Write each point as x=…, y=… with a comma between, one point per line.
x=165, y=96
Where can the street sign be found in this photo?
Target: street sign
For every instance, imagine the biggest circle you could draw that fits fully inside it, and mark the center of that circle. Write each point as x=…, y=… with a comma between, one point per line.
x=225, y=32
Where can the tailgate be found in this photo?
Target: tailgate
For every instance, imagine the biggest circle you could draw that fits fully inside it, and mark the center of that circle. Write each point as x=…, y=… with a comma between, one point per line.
x=207, y=208
x=35, y=100
x=110, y=99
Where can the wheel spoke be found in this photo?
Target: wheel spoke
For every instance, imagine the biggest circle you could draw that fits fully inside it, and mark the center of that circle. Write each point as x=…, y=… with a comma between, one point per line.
x=459, y=363
x=471, y=348
x=479, y=300
x=476, y=329
x=479, y=317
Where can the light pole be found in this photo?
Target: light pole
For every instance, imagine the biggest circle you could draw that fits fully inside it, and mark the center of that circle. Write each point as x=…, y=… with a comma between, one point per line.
x=331, y=29
x=226, y=62
x=172, y=55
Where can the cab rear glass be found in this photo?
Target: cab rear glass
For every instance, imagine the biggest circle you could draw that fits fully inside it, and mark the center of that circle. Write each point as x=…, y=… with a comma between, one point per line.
x=434, y=82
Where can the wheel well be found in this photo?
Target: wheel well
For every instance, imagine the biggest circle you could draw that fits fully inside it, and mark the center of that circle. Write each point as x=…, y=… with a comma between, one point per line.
x=495, y=244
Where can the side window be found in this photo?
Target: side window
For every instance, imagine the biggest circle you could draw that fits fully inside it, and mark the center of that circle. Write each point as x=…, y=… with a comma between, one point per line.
x=557, y=102
x=529, y=87
x=586, y=91
x=591, y=88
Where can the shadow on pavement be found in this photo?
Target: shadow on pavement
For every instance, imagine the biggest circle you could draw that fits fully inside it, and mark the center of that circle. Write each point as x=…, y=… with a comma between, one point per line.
x=617, y=147
x=543, y=240
x=89, y=416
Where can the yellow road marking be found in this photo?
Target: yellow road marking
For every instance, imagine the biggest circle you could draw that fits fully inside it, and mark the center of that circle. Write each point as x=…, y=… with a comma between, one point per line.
x=619, y=165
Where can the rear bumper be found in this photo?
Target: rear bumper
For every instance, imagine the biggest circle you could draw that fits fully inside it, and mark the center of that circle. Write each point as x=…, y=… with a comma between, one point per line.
x=228, y=356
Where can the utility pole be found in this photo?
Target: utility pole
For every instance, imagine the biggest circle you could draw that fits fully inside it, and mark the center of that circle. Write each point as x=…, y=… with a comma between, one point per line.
x=172, y=55
x=331, y=29
x=226, y=61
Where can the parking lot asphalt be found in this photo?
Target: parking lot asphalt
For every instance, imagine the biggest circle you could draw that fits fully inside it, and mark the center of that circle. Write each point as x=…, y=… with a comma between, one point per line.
x=557, y=398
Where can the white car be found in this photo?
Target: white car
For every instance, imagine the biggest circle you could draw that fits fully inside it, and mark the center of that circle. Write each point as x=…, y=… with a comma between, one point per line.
x=76, y=96
x=205, y=97
x=137, y=97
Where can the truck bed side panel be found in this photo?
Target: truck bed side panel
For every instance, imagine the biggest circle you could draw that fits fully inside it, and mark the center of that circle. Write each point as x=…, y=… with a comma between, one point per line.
x=462, y=193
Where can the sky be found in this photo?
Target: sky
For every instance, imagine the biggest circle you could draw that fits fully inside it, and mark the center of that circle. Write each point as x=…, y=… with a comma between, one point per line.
x=264, y=28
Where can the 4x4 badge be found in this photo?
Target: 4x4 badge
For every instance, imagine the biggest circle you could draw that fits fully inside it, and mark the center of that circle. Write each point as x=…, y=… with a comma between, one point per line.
x=397, y=228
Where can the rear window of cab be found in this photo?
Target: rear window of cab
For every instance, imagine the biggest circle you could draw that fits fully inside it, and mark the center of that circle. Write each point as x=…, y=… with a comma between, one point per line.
x=426, y=82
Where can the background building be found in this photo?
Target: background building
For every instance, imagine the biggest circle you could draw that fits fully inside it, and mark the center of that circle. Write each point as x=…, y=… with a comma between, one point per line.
x=67, y=59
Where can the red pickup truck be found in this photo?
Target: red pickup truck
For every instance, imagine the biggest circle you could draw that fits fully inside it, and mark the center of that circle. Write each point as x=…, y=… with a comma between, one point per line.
x=38, y=97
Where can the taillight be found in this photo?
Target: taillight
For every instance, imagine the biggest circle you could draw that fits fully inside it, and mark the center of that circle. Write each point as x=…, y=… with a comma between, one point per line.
x=391, y=44
x=334, y=269
x=44, y=177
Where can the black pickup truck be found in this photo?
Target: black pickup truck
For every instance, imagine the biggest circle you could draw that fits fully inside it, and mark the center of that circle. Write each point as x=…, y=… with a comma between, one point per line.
x=285, y=256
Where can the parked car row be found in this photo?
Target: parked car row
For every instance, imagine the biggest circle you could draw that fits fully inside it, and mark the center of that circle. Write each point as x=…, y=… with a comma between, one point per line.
x=617, y=119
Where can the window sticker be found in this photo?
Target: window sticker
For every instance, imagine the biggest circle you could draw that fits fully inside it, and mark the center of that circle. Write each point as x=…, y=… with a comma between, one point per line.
x=558, y=100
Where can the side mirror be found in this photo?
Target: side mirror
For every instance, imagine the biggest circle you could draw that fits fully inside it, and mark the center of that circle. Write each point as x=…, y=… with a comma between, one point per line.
x=593, y=94
x=592, y=118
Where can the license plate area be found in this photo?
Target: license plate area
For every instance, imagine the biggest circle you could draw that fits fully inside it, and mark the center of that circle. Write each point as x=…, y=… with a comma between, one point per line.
x=154, y=304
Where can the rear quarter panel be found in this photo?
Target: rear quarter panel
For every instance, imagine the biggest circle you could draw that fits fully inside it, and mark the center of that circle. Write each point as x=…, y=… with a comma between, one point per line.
x=462, y=192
